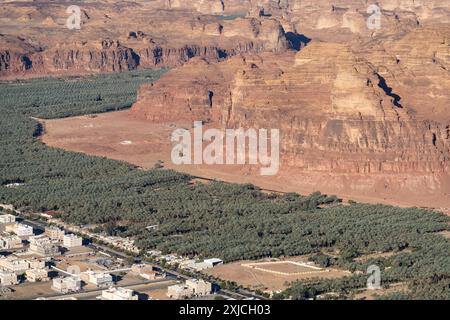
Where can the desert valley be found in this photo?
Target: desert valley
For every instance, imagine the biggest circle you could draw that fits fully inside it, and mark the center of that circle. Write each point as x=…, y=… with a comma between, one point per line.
x=362, y=113
x=358, y=91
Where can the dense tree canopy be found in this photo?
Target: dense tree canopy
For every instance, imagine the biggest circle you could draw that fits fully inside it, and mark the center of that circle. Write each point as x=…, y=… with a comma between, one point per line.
x=224, y=220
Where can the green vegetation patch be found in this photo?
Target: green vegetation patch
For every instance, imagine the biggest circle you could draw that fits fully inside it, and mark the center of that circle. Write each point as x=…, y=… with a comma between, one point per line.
x=228, y=221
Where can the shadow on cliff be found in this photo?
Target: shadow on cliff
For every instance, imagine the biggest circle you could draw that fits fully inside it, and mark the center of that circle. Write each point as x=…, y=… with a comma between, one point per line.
x=297, y=41
x=388, y=90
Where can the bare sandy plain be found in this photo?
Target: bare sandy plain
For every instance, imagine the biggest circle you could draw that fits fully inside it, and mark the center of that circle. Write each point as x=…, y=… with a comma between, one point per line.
x=121, y=136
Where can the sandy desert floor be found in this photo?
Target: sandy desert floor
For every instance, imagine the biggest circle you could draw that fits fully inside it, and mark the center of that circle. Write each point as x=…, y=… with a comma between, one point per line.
x=119, y=136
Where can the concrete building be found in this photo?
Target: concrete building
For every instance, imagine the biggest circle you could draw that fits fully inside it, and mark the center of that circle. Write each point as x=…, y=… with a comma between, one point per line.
x=10, y=243
x=72, y=241
x=199, y=287
x=21, y=230
x=35, y=275
x=99, y=279
x=36, y=263
x=14, y=264
x=7, y=218
x=54, y=233
x=192, y=288
x=179, y=291
x=43, y=246
x=200, y=266
x=214, y=262
x=118, y=294
x=147, y=271
x=8, y=278
x=66, y=285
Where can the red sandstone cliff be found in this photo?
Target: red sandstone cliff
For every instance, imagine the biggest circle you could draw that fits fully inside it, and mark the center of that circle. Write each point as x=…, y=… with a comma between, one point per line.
x=359, y=113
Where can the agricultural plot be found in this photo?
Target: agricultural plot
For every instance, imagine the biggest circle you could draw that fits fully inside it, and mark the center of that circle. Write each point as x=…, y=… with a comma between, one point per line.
x=229, y=221
x=286, y=268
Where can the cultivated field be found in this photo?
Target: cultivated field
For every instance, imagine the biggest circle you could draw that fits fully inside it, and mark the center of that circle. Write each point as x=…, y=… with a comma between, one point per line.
x=272, y=275
x=286, y=268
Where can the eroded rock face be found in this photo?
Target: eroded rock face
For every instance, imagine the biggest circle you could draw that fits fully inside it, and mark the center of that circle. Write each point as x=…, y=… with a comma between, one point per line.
x=161, y=33
x=376, y=110
x=121, y=36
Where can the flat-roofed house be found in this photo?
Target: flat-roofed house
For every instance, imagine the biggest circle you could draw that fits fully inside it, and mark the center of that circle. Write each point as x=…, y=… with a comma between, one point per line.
x=35, y=275
x=8, y=278
x=54, y=233
x=66, y=285
x=118, y=294
x=10, y=243
x=14, y=264
x=43, y=246
x=7, y=218
x=72, y=241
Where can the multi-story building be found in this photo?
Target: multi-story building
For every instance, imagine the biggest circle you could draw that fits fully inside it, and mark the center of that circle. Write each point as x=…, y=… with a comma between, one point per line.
x=67, y=285
x=99, y=279
x=14, y=264
x=192, y=287
x=36, y=263
x=43, y=246
x=10, y=243
x=54, y=233
x=118, y=294
x=147, y=271
x=7, y=218
x=8, y=278
x=71, y=241
x=179, y=291
x=199, y=287
x=20, y=229
x=35, y=275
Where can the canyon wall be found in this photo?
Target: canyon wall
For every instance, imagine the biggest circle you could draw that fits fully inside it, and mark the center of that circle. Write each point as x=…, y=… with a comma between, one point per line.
x=370, y=118
x=126, y=35
x=122, y=36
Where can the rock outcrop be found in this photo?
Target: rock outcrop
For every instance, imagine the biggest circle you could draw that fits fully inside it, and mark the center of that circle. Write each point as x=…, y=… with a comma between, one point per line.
x=115, y=36
x=167, y=33
x=375, y=111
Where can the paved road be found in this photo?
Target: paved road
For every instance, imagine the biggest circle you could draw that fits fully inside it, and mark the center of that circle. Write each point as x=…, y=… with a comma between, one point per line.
x=241, y=294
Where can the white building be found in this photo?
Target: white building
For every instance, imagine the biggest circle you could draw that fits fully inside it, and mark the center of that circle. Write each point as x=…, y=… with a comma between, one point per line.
x=36, y=263
x=8, y=278
x=7, y=218
x=214, y=262
x=147, y=271
x=179, y=291
x=43, y=246
x=35, y=275
x=99, y=279
x=14, y=264
x=10, y=242
x=67, y=285
x=71, y=241
x=54, y=233
x=118, y=294
x=192, y=288
x=199, y=287
x=20, y=229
